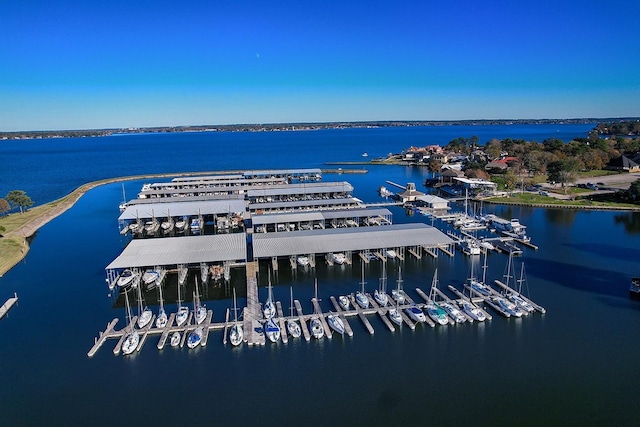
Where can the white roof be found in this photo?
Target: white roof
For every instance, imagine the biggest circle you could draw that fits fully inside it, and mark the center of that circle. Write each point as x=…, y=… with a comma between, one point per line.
x=182, y=250
x=181, y=208
x=347, y=239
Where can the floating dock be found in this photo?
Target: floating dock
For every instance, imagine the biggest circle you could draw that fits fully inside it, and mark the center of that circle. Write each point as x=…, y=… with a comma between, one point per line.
x=4, y=309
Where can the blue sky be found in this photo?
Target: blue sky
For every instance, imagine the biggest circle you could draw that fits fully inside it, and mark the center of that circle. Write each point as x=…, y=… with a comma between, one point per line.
x=96, y=64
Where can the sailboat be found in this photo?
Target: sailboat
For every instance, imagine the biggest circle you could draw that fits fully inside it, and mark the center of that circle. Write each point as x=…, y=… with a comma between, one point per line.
x=473, y=311
x=132, y=338
x=123, y=205
x=199, y=310
x=361, y=298
x=269, y=308
x=317, y=330
x=161, y=320
x=144, y=314
x=515, y=298
x=335, y=322
x=175, y=339
x=480, y=288
x=343, y=300
x=433, y=309
x=167, y=225
x=272, y=330
x=380, y=295
x=292, y=326
x=397, y=294
x=235, y=334
x=195, y=337
x=183, y=311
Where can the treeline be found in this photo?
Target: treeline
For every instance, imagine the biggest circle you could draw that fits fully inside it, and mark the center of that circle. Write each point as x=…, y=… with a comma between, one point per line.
x=621, y=128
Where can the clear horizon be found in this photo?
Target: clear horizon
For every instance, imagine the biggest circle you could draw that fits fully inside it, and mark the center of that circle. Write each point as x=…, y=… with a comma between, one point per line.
x=98, y=65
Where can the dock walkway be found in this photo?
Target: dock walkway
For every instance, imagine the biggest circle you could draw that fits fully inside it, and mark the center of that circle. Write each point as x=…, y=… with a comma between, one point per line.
x=8, y=304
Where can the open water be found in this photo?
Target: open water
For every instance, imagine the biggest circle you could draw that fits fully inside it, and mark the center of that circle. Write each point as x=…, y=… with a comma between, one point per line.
x=575, y=365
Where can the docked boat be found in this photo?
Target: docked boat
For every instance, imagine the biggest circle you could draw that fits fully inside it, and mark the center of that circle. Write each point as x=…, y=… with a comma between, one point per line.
x=335, y=323
x=195, y=226
x=343, y=301
x=634, y=288
x=470, y=247
x=151, y=227
x=517, y=298
x=292, y=326
x=361, y=298
x=132, y=339
x=474, y=312
x=125, y=278
x=395, y=316
x=150, y=279
x=480, y=288
x=303, y=261
x=316, y=328
x=167, y=225
x=195, y=337
x=380, y=295
x=144, y=313
x=236, y=334
x=390, y=253
x=272, y=330
x=181, y=225
x=338, y=258
x=183, y=311
x=161, y=320
x=453, y=312
x=415, y=313
x=397, y=294
x=216, y=271
x=199, y=310
x=269, y=307
x=175, y=339
x=507, y=306
x=434, y=311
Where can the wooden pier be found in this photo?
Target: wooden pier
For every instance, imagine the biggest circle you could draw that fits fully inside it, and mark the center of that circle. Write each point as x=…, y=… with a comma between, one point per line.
x=303, y=322
x=4, y=309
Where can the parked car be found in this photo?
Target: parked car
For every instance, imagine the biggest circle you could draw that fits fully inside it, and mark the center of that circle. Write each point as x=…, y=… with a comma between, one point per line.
x=543, y=193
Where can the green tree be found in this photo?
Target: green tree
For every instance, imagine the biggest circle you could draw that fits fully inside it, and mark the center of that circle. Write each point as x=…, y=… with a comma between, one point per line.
x=434, y=165
x=19, y=198
x=634, y=190
x=563, y=171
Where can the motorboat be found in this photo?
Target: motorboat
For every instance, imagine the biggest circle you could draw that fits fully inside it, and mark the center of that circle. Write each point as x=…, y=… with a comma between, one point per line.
x=486, y=245
x=634, y=288
x=338, y=258
x=316, y=328
x=343, y=301
x=292, y=326
x=167, y=225
x=195, y=337
x=436, y=313
x=453, y=312
x=125, y=278
x=150, y=278
x=175, y=339
x=236, y=334
x=395, y=316
x=415, y=313
x=390, y=253
x=195, y=226
x=131, y=340
x=217, y=271
x=335, y=323
x=272, y=330
x=361, y=298
x=471, y=310
x=150, y=227
x=181, y=225
x=303, y=261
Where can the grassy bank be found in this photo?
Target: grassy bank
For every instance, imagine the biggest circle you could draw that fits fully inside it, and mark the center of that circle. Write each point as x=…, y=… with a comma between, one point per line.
x=527, y=199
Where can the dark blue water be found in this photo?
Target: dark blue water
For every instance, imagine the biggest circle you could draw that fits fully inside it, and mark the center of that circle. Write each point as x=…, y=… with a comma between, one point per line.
x=575, y=365
x=50, y=168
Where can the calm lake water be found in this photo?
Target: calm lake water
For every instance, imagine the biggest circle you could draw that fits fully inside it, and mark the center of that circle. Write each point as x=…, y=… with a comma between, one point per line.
x=575, y=365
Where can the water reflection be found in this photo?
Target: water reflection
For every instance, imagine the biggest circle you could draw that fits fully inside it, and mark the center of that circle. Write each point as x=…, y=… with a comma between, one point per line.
x=561, y=216
x=629, y=220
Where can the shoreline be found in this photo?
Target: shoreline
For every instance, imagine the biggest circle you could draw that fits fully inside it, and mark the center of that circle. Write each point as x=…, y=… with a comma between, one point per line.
x=15, y=245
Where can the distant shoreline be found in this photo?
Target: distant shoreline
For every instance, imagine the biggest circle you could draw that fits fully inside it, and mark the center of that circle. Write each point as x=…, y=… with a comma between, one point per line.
x=275, y=127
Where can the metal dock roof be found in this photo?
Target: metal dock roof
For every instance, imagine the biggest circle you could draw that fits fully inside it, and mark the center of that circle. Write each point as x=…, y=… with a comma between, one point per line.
x=306, y=204
x=347, y=239
x=182, y=250
x=304, y=216
x=182, y=208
